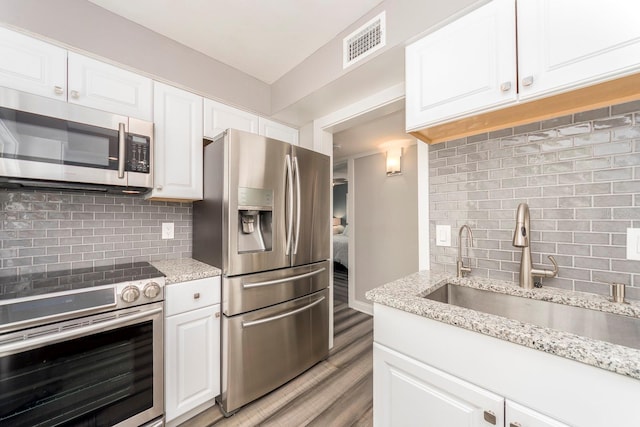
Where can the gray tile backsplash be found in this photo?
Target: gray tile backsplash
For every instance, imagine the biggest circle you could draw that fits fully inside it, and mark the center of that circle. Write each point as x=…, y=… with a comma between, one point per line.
x=580, y=175
x=47, y=231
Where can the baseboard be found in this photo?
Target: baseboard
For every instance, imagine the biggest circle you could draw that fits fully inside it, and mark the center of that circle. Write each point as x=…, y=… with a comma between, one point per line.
x=362, y=306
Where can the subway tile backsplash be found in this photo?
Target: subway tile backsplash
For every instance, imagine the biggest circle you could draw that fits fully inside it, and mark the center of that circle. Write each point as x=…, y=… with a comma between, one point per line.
x=49, y=231
x=580, y=175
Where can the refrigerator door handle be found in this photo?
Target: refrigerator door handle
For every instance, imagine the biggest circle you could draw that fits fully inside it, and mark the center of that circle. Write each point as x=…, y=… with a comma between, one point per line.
x=296, y=171
x=281, y=316
x=289, y=203
x=283, y=280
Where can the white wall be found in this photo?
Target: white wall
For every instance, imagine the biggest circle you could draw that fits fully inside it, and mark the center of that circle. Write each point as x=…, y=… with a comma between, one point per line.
x=386, y=221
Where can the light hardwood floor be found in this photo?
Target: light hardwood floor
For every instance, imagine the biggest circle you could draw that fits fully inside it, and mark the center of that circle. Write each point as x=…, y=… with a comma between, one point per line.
x=335, y=392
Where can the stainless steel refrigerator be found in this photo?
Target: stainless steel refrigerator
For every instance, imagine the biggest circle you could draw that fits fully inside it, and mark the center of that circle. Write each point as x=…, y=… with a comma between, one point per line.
x=265, y=221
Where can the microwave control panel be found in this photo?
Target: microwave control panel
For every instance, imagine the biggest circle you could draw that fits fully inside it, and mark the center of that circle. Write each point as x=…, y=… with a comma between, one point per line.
x=138, y=152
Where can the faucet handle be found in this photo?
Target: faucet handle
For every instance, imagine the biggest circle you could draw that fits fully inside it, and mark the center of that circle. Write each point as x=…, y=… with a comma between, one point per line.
x=536, y=272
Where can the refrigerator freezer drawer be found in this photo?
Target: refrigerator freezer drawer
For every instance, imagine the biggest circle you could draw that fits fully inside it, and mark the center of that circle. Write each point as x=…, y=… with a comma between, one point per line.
x=266, y=348
x=241, y=294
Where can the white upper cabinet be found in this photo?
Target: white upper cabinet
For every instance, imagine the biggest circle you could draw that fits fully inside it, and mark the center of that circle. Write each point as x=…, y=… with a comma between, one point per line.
x=177, y=145
x=276, y=130
x=32, y=66
x=106, y=87
x=219, y=117
x=564, y=45
x=466, y=66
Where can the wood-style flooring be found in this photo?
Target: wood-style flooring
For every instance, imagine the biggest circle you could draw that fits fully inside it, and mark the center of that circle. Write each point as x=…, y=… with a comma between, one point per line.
x=335, y=392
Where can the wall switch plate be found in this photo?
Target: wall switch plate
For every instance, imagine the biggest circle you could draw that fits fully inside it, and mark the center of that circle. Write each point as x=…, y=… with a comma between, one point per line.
x=167, y=230
x=443, y=235
x=633, y=243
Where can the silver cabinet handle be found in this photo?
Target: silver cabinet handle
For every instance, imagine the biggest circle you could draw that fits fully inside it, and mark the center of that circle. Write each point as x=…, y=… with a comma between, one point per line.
x=296, y=171
x=289, y=203
x=58, y=90
x=284, y=279
x=490, y=417
x=281, y=316
x=75, y=94
x=505, y=87
x=121, y=148
x=527, y=81
x=516, y=424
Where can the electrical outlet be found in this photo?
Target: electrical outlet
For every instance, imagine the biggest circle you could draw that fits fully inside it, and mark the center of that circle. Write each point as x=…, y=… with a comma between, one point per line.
x=633, y=243
x=443, y=235
x=167, y=230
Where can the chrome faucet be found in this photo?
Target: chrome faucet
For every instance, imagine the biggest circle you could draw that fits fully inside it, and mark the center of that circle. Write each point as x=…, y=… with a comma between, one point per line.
x=461, y=268
x=521, y=240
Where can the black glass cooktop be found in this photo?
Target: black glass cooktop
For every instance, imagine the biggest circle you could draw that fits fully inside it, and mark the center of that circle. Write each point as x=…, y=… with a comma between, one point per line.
x=65, y=280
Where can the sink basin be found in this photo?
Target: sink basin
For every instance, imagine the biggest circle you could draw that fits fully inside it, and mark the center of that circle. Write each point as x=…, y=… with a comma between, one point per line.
x=598, y=325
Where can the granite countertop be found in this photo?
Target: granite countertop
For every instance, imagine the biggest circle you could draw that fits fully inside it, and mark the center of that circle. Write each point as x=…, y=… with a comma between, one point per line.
x=185, y=269
x=408, y=293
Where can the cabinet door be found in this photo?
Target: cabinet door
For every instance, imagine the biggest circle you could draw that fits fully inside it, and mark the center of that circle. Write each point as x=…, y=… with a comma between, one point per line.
x=564, y=45
x=178, y=144
x=219, y=117
x=408, y=393
x=106, y=87
x=521, y=416
x=276, y=130
x=464, y=67
x=32, y=66
x=192, y=360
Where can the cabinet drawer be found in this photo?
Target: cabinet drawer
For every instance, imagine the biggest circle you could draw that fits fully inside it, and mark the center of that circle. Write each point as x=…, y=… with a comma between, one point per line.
x=187, y=296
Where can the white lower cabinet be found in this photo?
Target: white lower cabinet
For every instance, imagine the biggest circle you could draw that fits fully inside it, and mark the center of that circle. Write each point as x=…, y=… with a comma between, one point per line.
x=192, y=348
x=407, y=392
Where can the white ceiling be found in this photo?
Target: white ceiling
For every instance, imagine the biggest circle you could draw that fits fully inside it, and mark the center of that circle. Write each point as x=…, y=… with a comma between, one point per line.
x=262, y=38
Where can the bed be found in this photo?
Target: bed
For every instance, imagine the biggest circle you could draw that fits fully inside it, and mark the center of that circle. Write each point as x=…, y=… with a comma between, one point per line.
x=341, y=248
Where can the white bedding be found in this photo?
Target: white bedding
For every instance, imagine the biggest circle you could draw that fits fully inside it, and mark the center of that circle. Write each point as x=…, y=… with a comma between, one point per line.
x=340, y=249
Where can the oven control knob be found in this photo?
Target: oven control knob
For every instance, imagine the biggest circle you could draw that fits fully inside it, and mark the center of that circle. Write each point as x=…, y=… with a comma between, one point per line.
x=130, y=293
x=151, y=290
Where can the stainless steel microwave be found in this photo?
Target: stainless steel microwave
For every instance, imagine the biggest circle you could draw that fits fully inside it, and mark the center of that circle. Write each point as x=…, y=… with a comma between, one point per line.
x=46, y=143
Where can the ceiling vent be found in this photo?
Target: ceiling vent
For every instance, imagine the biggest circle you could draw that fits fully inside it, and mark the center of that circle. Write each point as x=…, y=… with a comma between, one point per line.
x=364, y=41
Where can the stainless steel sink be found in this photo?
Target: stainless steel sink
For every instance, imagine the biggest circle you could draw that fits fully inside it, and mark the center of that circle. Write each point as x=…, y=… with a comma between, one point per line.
x=594, y=324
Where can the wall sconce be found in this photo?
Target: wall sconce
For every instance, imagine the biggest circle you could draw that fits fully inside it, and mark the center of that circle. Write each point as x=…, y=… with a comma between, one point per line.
x=337, y=221
x=394, y=157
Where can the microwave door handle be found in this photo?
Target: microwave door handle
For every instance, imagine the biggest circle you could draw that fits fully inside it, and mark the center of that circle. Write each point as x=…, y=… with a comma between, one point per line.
x=289, y=204
x=296, y=171
x=121, y=149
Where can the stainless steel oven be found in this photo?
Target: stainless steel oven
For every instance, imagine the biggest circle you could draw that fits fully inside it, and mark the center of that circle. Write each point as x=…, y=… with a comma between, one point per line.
x=84, y=357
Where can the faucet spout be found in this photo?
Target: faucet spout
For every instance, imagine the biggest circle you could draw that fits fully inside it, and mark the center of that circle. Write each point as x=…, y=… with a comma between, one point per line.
x=521, y=240
x=460, y=267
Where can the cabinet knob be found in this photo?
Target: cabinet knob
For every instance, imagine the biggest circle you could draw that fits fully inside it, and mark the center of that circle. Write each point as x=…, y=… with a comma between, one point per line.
x=505, y=87
x=58, y=90
x=527, y=81
x=217, y=315
x=75, y=94
x=490, y=417
x=196, y=295
x=515, y=424
x=158, y=187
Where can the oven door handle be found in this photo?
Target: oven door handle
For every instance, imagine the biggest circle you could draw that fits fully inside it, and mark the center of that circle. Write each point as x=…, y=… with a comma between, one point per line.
x=53, y=338
x=281, y=316
x=283, y=280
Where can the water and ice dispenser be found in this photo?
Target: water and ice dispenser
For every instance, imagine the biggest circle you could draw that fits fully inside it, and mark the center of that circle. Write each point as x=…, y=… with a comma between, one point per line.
x=255, y=213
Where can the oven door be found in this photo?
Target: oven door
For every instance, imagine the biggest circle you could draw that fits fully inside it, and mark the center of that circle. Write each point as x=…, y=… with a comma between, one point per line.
x=102, y=370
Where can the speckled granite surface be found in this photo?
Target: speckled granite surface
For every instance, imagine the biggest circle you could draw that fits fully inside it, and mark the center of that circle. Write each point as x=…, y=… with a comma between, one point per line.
x=185, y=269
x=408, y=293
